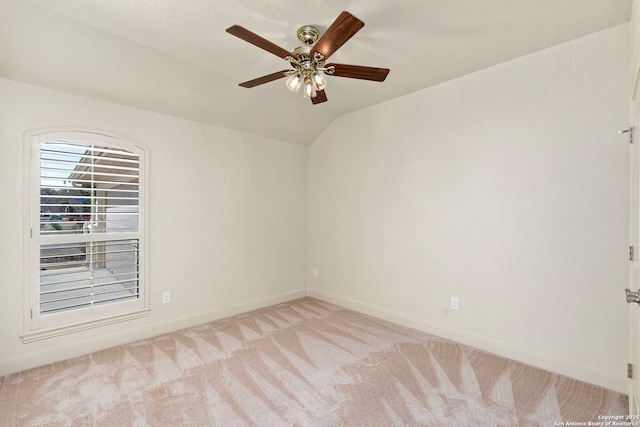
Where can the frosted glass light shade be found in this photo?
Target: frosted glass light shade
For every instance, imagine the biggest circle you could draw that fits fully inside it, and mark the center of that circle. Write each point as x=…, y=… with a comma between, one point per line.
x=294, y=82
x=319, y=80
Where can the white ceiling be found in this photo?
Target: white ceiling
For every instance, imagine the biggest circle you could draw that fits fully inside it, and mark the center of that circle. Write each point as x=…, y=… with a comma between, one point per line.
x=174, y=56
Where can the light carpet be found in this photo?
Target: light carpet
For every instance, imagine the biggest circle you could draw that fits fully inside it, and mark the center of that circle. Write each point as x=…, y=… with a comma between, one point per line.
x=301, y=363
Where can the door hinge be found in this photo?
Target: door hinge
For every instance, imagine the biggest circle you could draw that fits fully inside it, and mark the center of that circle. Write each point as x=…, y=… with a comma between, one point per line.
x=632, y=251
x=632, y=134
x=32, y=313
x=629, y=371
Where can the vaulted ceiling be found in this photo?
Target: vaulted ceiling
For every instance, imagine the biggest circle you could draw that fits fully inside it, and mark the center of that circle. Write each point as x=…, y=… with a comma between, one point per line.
x=174, y=56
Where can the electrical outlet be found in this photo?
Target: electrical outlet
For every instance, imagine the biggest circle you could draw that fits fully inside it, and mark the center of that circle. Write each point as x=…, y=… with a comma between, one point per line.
x=166, y=297
x=314, y=272
x=455, y=303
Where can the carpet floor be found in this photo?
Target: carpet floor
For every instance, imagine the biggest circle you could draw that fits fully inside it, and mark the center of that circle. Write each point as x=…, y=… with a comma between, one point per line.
x=300, y=363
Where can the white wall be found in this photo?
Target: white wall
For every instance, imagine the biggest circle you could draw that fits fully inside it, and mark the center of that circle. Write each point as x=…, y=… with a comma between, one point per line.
x=507, y=188
x=227, y=219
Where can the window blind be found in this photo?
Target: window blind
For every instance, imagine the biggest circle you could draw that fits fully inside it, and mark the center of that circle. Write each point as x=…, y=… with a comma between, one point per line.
x=89, y=225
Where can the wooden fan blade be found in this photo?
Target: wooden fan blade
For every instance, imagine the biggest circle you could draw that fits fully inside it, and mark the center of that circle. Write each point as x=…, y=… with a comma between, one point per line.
x=359, y=72
x=321, y=96
x=264, y=79
x=342, y=29
x=256, y=40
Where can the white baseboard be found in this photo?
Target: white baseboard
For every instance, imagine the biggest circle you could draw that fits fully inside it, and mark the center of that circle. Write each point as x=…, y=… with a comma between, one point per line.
x=562, y=367
x=43, y=358
x=502, y=349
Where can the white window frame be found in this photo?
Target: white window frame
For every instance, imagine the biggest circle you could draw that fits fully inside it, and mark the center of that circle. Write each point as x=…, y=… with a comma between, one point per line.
x=41, y=326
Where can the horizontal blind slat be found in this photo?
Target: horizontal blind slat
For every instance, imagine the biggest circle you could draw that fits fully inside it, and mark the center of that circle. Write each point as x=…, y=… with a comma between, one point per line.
x=87, y=206
x=62, y=187
x=97, y=233
x=83, y=166
x=43, y=174
x=94, y=197
x=57, y=155
x=88, y=286
x=78, y=148
x=69, y=307
x=90, y=182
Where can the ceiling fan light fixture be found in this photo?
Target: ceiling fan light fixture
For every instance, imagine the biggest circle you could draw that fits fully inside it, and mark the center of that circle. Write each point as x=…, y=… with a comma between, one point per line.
x=319, y=80
x=307, y=70
x=309, y=88
x=294, y=82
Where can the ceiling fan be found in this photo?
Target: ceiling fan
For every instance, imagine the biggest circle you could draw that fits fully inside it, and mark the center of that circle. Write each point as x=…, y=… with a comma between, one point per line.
x=308, y=61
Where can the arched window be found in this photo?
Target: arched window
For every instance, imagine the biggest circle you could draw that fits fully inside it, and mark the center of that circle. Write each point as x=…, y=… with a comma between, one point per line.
x=87, y=252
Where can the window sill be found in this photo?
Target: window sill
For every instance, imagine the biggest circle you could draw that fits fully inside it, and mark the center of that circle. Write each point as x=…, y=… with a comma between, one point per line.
x=63, y=330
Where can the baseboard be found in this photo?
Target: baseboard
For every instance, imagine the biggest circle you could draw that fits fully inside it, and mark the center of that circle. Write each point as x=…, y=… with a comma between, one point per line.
x=502, y=349
x=43, y=358
x=562, y=367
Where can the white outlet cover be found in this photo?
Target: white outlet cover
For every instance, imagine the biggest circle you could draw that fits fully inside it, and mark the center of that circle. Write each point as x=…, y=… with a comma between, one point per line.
x=166, y=297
